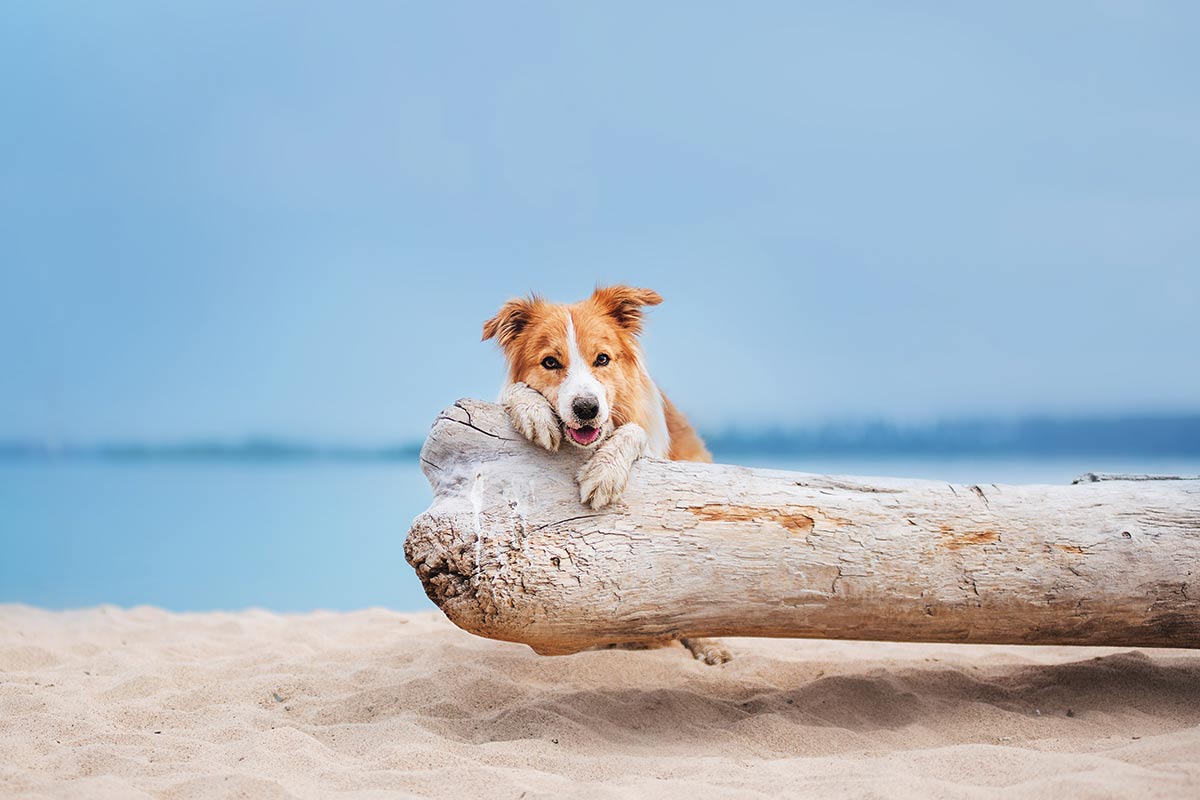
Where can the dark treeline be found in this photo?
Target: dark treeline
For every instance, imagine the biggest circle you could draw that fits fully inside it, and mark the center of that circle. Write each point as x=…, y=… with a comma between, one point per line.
x=1148, y=435
x=1165, y=435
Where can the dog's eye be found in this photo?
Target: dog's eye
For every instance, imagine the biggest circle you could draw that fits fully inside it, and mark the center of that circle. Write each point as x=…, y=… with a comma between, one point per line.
x=601, y=360
x=550, y=362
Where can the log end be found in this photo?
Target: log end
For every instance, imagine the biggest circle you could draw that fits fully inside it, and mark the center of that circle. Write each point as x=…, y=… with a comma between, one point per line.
x=447, y=560
x=466, y=547
x=443, y=566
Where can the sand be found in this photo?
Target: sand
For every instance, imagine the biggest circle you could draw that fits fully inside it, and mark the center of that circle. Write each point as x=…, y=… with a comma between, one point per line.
x=137, y=703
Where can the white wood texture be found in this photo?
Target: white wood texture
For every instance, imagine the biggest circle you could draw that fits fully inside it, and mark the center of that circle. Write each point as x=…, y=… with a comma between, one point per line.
x=700, y=550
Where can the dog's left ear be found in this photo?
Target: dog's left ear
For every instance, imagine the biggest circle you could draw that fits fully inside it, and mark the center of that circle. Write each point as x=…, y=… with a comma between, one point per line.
x=625, y=303
x=508, y=323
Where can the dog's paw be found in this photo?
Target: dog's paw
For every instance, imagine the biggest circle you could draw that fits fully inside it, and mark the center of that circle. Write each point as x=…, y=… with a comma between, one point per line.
x=533, y=416
x=603, y=478
x=710, y=651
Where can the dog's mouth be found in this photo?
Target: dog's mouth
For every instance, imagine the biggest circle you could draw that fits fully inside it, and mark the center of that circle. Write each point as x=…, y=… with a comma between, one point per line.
x=584, y=435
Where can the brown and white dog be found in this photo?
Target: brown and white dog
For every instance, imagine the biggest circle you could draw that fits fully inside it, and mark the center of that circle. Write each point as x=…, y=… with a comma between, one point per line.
x=576, y=372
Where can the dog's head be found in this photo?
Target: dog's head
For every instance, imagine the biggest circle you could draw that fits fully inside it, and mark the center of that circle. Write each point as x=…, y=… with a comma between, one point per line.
x=584, y=358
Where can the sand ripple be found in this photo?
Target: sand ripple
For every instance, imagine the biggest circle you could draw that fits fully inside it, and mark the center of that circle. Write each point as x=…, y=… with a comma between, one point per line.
x=142, y=703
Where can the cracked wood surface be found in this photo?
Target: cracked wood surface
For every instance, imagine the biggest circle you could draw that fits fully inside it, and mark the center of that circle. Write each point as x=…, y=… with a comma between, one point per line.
x=695, y=550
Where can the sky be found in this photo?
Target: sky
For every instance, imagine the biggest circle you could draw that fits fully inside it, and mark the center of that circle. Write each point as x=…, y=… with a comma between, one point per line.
x=221, y=219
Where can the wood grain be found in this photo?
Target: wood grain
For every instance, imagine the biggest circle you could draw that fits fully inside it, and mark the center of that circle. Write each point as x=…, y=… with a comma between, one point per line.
x=700, y=550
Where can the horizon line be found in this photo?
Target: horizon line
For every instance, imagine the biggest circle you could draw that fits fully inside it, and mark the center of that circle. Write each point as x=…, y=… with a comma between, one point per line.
x=1139, y=433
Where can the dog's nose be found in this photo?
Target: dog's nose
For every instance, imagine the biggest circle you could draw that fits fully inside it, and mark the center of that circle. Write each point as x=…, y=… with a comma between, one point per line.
x=585, y=408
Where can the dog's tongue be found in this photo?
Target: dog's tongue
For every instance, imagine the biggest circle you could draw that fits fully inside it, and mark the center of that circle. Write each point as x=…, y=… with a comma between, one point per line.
x=584, y=435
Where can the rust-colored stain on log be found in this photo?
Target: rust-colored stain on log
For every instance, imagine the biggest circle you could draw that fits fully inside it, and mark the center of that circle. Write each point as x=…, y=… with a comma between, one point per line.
x=797, y=519
x=956, y=540
x=1070, y=548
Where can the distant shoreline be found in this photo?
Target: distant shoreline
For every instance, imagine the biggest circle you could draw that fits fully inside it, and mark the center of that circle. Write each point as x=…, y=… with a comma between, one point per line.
x=1146, y=435
x=255, y=451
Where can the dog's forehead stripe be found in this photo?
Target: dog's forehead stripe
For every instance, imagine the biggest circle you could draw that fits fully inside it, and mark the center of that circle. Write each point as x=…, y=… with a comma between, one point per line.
x=572, y=345
x=573, y=350
x=579, y=381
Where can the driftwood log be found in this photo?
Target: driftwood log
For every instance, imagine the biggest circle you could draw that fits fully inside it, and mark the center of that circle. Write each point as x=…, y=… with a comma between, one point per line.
x=699, y=550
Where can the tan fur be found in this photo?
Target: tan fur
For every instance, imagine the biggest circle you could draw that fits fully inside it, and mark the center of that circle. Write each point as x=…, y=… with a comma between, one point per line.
x=686, y=444
x=530, y=329
x=607, y=323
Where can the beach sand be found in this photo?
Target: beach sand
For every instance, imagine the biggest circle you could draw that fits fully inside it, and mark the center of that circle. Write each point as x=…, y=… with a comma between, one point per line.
x=136, y=703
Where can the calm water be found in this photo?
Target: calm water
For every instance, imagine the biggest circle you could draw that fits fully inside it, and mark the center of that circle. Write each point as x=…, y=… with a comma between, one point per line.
x=295, y=536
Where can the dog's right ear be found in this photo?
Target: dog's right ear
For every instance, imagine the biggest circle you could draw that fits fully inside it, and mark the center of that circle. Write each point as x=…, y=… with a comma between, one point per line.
x=508, y=323
x=624, y=304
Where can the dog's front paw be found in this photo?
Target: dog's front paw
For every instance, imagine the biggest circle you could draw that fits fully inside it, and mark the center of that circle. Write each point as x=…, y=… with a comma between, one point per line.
x=602, y=479
x=710, y=651
x=533, y=416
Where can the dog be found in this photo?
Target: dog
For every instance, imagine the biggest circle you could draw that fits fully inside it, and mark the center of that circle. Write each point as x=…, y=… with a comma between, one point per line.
x=576, y=373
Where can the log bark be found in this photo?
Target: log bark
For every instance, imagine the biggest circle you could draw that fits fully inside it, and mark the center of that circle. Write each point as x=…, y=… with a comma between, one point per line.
x=709, y=550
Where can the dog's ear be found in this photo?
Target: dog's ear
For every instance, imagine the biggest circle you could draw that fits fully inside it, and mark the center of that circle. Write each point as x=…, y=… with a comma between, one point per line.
x=625, y=303
x=509, y=321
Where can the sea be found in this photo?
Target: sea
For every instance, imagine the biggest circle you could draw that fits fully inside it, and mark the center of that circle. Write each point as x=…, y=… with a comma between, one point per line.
x=305, y=534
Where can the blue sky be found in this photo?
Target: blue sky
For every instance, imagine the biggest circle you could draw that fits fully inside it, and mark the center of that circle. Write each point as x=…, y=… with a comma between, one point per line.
x=219, y=219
